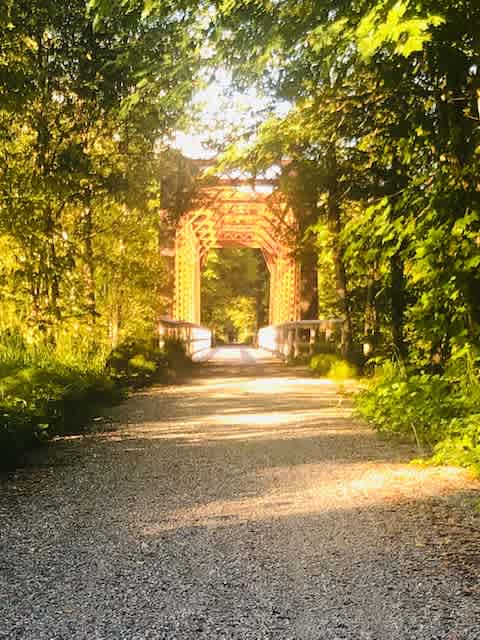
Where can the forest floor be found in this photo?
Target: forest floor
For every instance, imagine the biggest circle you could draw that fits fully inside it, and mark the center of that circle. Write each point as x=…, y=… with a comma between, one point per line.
x=245, y=503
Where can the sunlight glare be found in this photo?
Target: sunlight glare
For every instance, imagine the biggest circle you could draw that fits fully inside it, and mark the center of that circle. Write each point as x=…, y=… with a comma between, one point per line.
x=220, y=110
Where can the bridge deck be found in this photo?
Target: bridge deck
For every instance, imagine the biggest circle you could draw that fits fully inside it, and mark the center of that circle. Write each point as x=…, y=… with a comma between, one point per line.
x=236, y=355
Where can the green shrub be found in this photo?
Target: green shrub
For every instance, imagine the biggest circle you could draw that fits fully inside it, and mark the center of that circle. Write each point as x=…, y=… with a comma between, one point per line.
x=321, y=363
x=438, y=412
x=137, y=362
x=332, y=366
x=17, y=434
x=342, y=370
x=301, y=359
x=176, y=355
x=140, y=363
x=47, y=391
x=13, y=352
x=461, y=444
x=47, y=399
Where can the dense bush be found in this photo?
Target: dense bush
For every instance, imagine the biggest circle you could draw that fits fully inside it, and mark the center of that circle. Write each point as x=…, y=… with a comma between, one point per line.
x=137, y=362
x=45, y=397
x=17, y=433
x=332, y=366
x=440, y=412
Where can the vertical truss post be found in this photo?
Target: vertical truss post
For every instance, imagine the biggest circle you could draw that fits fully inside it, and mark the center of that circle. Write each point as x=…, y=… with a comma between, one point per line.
x=187, y=274
x=284, y=290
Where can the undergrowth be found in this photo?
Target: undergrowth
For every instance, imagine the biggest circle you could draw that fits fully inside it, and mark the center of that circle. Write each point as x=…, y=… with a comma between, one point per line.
x=332, y=366
x=48, y=390
x=439, y=412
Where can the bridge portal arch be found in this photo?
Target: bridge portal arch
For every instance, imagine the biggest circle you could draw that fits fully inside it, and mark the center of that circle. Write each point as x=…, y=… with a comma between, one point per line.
x=233, y=215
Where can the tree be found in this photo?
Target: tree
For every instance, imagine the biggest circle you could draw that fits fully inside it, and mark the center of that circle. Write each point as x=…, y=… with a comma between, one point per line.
x=86, y=97
x=234, y=293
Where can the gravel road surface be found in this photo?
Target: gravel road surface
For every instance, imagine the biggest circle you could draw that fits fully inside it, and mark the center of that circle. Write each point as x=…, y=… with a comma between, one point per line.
x=244, y=504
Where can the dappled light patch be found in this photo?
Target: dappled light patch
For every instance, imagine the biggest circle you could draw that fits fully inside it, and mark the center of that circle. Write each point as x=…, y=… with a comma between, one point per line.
x=323, y=488
x=246, y=434
x=335, y=464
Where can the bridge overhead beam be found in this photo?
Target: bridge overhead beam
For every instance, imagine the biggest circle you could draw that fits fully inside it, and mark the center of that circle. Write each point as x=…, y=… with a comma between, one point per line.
x=227, y=216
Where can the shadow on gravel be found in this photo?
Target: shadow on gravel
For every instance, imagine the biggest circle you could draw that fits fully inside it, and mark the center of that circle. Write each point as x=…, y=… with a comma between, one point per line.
x=238, y=509
x=393, y=570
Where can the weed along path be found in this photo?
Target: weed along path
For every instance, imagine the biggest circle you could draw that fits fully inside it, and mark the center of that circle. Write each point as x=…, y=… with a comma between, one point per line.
x=246, y=504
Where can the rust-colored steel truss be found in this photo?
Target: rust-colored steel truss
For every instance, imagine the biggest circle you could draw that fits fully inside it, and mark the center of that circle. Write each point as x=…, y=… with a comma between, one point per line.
x=236, y=216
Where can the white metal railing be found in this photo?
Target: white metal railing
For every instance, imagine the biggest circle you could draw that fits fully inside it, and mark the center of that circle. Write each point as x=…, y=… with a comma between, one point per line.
x=195, y=337
x=292, y=339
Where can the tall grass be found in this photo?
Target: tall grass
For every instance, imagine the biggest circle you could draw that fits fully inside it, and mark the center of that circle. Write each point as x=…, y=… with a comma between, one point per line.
x=48, y=390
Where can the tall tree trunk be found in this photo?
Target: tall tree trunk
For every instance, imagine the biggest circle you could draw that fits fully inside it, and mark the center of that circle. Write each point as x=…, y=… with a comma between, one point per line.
x=51, y=267
x=473, y=300
x=335, y=227
x=397, y=299
x=114, y=328
x=371, y=320
x=309, y=287
x=342, y=296
x=87, y=224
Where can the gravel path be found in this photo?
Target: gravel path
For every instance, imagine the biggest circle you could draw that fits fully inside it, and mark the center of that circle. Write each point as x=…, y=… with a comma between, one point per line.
x=246, y=504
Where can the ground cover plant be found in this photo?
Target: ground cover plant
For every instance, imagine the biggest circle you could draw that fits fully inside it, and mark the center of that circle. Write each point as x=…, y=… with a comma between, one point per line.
x=332, y=366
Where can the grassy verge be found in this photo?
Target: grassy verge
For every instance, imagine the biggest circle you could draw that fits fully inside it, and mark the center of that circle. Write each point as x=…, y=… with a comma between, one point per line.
x=440, y=413
x=46, y=392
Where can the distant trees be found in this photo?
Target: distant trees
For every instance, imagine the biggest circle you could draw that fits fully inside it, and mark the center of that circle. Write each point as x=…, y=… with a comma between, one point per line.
x=235, y=293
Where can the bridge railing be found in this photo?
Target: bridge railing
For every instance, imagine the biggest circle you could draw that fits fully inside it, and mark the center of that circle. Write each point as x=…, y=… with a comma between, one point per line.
x=195, y=337
x=292, y=339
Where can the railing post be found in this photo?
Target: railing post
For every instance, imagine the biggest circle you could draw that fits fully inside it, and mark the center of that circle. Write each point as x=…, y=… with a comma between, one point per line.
x=283, y=344
x=294, y=338
x=296, y=342
x=161, y=335
x=194, y=337
x=290, y=342
x=313, y=337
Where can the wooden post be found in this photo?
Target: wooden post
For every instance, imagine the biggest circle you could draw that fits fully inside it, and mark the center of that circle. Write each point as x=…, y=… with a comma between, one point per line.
x=296, y=342
x=313, y=336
